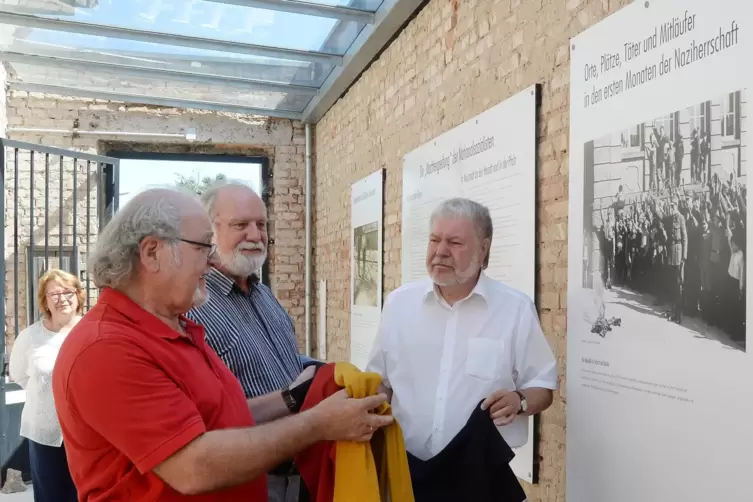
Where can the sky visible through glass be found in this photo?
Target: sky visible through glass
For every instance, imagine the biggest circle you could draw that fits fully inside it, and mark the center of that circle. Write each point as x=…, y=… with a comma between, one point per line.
x=137, y=175
x=196, y=18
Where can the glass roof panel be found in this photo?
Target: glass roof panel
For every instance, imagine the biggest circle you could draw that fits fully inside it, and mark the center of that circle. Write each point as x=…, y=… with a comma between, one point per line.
x=113, y=81
x=156, y=56
x=200, y=18
x=367, y=5
x=233, y=55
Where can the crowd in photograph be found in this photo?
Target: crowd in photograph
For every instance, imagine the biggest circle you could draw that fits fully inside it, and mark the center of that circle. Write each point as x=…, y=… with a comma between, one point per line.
x=684, y=246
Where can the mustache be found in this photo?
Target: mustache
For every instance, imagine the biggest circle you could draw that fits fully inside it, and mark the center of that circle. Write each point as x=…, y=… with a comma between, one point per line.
x=446, y=263
x=250, y=246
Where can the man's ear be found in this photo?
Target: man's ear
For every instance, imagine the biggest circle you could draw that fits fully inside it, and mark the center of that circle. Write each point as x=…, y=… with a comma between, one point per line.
x=486, y=245
x=149, y=253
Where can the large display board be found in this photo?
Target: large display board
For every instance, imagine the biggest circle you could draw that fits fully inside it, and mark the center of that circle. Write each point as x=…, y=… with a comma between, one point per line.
x=491, y=159
x=658, y=375
x=366, y=266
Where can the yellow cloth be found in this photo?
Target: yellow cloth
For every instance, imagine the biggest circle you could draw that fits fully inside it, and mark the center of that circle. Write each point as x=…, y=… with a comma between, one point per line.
x=357, y=478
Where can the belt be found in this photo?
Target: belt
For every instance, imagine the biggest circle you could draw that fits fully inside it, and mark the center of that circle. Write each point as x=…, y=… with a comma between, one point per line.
x=285, y=469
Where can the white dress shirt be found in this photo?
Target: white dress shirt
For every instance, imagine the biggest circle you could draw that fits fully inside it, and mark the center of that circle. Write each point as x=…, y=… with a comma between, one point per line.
x=441, y=361
x=31, y=362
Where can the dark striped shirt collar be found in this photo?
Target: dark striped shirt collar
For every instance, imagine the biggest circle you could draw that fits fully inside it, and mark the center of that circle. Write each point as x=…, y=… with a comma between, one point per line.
x=218, y=282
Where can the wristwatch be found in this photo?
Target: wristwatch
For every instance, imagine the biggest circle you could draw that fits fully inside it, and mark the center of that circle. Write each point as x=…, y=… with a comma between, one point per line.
x=290, y=401
x=295, y=397
x=523, y=403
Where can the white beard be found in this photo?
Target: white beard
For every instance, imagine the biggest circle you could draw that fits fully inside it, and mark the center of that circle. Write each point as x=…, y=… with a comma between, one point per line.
x=239, y=265
x=458, y=277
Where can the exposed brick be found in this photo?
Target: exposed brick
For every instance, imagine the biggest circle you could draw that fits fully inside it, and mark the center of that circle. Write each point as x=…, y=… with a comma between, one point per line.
x=218, y=133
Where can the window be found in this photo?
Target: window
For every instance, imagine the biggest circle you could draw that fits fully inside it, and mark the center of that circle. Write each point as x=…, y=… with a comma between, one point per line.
x=635, y=136
x=631, y=140
x=37, y=266
x=698, y=115
x=668, y=123
x=730, y=116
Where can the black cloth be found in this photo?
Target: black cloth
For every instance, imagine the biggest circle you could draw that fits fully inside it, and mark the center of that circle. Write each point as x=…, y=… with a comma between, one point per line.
x=50, y=476
x=474, y=466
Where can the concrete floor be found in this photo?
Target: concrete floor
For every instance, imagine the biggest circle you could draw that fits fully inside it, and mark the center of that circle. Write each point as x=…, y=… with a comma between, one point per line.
x=27, y=496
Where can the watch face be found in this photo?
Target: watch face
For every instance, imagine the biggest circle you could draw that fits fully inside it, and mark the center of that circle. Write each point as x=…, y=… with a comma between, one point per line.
x=523, y=402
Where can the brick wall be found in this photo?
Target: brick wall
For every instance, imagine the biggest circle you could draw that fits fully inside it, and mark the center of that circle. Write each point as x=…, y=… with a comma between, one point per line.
x=453, y=61
x=282, y=141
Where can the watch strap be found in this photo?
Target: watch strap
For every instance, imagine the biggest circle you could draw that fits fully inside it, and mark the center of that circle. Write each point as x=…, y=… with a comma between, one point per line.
x=522, y=400
x=290, y=401
x=295, y=397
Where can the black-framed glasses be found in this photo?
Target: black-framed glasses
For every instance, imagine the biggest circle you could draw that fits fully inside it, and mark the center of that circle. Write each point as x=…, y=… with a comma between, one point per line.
x=211, y=247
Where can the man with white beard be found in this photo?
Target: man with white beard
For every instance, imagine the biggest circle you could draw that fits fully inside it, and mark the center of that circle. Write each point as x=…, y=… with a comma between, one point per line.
x=245, y=324
x=465, y=361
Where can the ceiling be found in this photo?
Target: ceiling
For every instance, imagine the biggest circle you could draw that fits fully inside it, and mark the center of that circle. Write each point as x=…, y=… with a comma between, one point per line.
x=279, y=58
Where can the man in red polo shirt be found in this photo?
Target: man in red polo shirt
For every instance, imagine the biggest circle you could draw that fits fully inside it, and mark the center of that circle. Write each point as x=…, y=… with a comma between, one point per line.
x=148, y=411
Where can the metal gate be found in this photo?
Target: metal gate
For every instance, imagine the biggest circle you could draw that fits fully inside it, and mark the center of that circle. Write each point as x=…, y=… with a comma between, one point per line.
x=55, y=202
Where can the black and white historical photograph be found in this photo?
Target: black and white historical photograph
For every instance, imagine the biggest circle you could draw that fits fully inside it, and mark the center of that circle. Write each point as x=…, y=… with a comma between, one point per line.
x=366, y=273
x=665, y=216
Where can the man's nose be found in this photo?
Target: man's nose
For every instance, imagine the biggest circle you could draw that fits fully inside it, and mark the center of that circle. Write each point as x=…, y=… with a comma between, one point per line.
x=253, y=234
x=443, y=249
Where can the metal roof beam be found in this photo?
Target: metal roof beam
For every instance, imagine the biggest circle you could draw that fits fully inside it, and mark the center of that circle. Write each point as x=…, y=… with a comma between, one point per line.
x=110, y=55
x=152, y=100
x=154, y=37
x=373, y=38
x=155, y=73
x=307, y=8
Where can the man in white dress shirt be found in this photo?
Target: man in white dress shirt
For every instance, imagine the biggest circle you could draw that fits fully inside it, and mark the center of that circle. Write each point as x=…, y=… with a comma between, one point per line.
x=449, y=341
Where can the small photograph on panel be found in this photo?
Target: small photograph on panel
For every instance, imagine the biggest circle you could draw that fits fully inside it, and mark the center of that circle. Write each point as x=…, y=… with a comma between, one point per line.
x=664, y=225
x=366, y=272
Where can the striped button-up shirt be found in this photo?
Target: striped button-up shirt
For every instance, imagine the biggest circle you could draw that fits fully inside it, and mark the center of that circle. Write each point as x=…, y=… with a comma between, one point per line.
x=251, y=332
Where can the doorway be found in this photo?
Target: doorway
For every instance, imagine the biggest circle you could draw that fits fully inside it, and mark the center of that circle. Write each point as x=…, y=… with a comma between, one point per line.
x=195, y=172
x=192, y=172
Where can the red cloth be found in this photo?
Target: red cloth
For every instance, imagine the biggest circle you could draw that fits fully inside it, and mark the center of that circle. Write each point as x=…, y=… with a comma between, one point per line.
x=317, y=463
x=130, y=392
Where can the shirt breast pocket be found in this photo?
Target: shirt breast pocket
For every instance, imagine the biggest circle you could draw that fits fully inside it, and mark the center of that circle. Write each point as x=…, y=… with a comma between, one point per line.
x=485, y=358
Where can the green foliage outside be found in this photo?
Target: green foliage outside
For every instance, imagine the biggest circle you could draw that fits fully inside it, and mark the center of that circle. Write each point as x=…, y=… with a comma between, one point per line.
x=196, y=184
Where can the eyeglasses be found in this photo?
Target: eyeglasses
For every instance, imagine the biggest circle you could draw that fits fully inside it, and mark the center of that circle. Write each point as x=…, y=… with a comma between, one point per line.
x=57, y=296
x=211, y=247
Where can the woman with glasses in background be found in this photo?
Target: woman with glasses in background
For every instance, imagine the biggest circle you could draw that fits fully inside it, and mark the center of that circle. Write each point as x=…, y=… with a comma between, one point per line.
x=61, y=301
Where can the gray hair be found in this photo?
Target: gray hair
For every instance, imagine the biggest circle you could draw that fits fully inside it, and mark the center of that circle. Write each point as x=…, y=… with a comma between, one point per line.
x=209, y=197
x=150, y=213
x=477, y=213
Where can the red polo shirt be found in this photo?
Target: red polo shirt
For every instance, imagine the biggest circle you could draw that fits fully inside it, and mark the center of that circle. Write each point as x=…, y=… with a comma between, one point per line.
x=130, y=392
